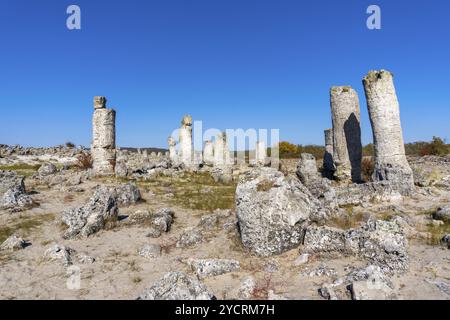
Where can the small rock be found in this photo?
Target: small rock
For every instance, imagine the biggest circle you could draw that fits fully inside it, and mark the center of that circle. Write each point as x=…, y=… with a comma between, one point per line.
x=153, y=233
x=213, y=267
x=13, y=243
x=60, y=253
x=302, y=259
x=162, y=220
x=85, y=259
x=443, y=214
x=247, y=288
x=446, y=240
x=177, y=286
x=271, y=295
x=127, y=194
x=189, y=238
x=150, y=251
x=47, y=169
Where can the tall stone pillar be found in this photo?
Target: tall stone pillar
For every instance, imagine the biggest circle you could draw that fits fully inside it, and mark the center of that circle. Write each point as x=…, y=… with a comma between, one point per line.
x=384, y=112
x=103, y=147
x=185, y=141
x=172, y=149
x=208, y=153
x=219, y=150
x=226, y=150
x=328, y=163
x=347, y=148
x=261, y=153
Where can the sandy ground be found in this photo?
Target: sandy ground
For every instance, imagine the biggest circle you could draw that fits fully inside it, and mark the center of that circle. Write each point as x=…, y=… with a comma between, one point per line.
x=119, y=272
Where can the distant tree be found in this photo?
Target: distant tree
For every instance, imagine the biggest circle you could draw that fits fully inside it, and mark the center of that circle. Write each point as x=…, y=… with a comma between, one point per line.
x=436, y=147
x=288, y=150
x=70, y=145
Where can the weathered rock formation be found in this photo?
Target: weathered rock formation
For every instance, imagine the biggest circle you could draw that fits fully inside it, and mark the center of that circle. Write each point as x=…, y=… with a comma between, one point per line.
x=261, y=153
x=208, y=153
x=347, y=148
x=13, y=195
x=177, y=286
x=103, y=148
x=185, y=141
x=273, y=211
x=328, y=162
x=384, y=112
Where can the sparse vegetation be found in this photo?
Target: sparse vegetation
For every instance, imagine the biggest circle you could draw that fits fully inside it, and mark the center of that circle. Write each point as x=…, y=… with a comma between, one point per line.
x=288, y=150
x=367, y=169
x=193, y=191
x=23, y=225
x=84, y=161
x=348, y=221
x=437, y=232
x=22, y=169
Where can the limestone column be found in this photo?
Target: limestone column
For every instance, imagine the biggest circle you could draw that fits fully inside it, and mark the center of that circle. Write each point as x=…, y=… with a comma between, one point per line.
x=226, y=150
x=172, y=148
x=103, y=148
x=384, y=112
x=261, y=153
x=347, y=148
x=219, y=152
x=208, y=153
x=328, y=163
x=185, y=141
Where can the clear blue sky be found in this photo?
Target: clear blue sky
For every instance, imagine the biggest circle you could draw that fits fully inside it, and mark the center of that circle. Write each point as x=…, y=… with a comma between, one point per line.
x=230, y=63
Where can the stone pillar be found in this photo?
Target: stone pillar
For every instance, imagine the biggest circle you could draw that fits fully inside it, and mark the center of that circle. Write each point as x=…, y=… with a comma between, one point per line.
x=172, y=149
x=347, y=148
x=208, y=153
x=185, y=141
x=328, y=163
x=261, y=153
x=226, y=150
x=384, y=113
x=103, y=147
x=219, y=151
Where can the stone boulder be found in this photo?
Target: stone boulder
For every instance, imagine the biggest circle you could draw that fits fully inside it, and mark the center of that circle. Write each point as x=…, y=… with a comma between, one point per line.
x=307, y=168
x=127, y=194
x=13, y=195
x=90, y=218
x=177, y=286
x=382, y=243
x=47, y=169
x=60, y=253
x=13, y=243
x=213, y=267
x=369, y=283
x=443, y=214
x=222, y=175
x=273, y=211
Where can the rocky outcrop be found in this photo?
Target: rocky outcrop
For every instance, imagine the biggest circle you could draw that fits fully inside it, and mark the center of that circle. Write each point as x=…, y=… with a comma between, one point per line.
x=369, y=283
x=47, y=169
x=13, y=243
x=273, y=211
x=127, y=194
x=177, y=286
x=382, y=243
x=13, y=195
x=442, y=214
x=92, y=217
x=213, y=267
